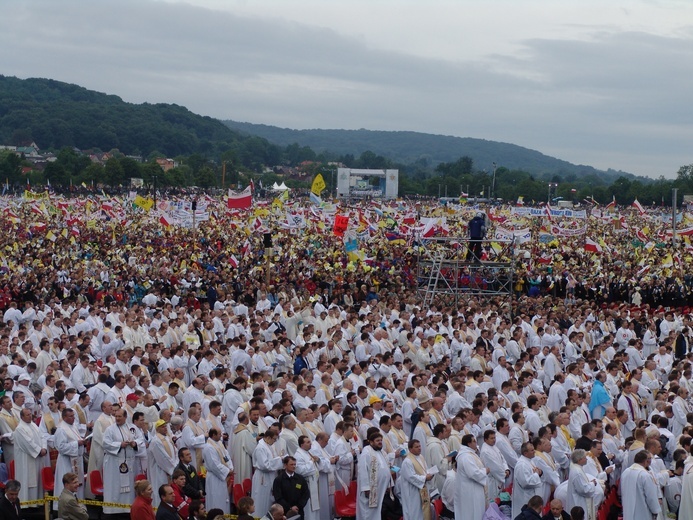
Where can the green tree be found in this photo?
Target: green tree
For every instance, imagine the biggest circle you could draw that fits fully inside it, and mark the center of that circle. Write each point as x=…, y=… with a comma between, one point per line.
x=462, y=166
x=94, y=172
x=113, y=173
x=10, y=167
x=206, y=178
x=131, y=168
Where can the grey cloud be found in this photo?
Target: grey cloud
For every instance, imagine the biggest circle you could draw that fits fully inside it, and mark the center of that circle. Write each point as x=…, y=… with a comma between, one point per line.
x=616, y=100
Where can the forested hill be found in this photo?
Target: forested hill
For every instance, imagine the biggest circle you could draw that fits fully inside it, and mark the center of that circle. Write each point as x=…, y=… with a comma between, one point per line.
x=57, y=114
x=424, y=149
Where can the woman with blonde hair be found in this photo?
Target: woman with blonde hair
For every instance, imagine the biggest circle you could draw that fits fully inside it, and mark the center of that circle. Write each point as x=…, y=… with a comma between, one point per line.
x=142, y=505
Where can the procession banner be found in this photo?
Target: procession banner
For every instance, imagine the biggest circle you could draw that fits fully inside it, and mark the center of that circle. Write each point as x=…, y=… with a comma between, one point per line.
x=541, y=212
x=568, y=232
x=520, y=235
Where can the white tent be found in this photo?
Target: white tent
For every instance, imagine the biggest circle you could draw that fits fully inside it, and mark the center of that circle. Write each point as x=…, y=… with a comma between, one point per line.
x=283, y=187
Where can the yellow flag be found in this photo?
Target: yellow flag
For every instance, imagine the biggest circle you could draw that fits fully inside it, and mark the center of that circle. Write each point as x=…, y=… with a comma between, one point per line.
x=318, y=184
x=51, y=236
x=144, y=203
x=63, y=233
x=279, y=201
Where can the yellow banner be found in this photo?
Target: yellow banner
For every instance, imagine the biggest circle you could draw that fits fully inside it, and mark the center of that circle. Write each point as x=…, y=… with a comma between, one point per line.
x=145, y=203
x=318, y=184
x=30, y=195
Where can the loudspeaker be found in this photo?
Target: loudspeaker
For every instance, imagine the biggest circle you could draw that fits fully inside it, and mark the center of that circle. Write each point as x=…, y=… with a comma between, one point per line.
x=267, y=240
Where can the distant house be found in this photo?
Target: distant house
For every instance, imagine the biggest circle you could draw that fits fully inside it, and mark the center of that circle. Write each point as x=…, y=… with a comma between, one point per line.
x=100, y=157
x=166, y=164
x=29, y=151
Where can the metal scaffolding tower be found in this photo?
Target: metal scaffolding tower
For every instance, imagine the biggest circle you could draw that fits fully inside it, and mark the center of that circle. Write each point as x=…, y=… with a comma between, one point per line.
x=445, y=276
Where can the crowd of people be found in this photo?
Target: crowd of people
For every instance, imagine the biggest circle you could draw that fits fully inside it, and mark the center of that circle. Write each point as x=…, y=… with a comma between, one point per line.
x=172, y=365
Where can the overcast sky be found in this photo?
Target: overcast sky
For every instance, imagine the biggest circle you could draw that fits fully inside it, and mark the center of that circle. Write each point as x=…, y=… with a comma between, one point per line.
x=606, y=85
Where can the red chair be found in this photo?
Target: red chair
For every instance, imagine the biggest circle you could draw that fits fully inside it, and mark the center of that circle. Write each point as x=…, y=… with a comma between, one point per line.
x=345, y=505
x=439, y=506
x=47, y=479
x=247, y=486
x=96, y=483
x=237, y=493
x=10, y=470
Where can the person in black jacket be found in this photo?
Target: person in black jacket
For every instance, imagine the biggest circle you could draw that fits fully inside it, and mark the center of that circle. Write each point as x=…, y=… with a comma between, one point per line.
x=531, y=510
x=477, y=230
x=193, y=484
x=290, y=489
x=10, y=508
x=166, y=511
x=589, y=433
x=556, y=512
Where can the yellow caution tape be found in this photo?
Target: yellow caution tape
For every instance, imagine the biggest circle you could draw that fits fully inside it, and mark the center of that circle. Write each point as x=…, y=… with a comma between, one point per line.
x=96, y=503
x=39, y=502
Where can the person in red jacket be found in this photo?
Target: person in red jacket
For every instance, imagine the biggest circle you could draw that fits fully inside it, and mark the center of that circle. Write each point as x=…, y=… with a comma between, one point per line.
x=180, y=501
x=142, y=505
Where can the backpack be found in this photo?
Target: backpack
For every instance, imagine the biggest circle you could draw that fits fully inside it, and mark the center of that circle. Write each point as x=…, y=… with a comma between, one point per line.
x=663, y=440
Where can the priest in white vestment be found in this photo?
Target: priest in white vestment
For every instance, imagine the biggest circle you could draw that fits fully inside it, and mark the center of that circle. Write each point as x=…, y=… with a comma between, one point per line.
x=373, y=479
x=195, y=435
x=686, y=502
x=162, y=460
x=471, y=481
x=244, y=444
x=29, y=450
x=70, y=446
x=96, y=452
x=339, y=446
x=118, y=464
x=327, y=480
x=639, y=491
x=289, y=434
x=219, y=472
x=550, y=476
x=267, y=463
x=413, y=477
x=436, y=454
x=307, y=467
x=493, y=459
x=526, y=479
x=8, y=423
x=583, y=490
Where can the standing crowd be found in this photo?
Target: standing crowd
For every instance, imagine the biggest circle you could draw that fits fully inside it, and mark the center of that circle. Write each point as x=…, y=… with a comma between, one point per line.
x=310, y=395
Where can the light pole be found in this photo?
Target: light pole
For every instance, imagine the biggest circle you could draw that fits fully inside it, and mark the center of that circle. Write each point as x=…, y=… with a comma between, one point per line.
x=493, y=189
x=154, y=178
x=333, y=170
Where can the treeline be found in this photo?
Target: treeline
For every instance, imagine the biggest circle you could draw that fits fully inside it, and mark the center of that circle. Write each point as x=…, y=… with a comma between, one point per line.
x=65, y=118
x=448, y=179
